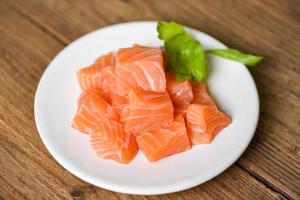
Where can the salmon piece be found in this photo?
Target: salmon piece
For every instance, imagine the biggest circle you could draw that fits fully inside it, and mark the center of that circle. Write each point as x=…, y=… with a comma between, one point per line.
x=180, y=92
x=90, y=77
x=204, y=122
x=108, y=85
x=147, y=111
x=117, y=99
x=140, y=67
x=111, y=142
x=105, y=60
x=92, y=109
x=181, y=109
x=92, y=91
x=124, y=112
x=201, y=95
x=119, y=108
x=164, y=142
x=108, y=79
x=84, y=122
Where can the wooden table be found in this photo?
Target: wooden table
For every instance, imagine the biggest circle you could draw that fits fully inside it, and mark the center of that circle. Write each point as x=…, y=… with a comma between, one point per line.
x=32, y=32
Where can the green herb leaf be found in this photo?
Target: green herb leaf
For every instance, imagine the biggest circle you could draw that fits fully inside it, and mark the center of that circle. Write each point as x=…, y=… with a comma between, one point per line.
x=169, y=30
x=186, y=57
x=236, y=55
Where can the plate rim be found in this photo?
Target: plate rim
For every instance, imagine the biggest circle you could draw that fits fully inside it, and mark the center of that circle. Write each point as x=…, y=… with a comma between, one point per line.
x=168, y=188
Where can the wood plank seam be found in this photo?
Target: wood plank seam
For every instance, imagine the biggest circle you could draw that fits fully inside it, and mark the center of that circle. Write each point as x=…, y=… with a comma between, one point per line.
x=264, y=182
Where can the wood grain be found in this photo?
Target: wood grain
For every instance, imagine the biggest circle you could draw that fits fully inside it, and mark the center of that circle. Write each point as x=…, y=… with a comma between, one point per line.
x=32, y=33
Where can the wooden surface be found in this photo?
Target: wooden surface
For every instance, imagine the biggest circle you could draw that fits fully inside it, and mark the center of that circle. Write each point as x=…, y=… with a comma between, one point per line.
x=32, y=32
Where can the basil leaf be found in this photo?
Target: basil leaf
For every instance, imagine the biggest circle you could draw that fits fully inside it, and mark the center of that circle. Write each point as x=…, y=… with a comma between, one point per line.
x=186, y=57
x=168, y=30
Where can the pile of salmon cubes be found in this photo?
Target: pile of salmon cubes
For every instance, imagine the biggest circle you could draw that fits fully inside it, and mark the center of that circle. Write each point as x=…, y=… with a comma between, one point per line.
x=129, y=102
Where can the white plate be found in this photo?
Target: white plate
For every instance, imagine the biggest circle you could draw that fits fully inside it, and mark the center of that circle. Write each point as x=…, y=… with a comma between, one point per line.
x=230, y=84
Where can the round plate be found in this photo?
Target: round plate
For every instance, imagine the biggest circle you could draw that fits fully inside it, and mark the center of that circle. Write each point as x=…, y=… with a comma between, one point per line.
x=230, y=84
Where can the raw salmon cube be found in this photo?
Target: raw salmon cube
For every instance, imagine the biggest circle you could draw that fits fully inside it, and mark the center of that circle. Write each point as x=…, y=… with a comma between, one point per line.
x=201, y=95
x=204, y=122
x=108, y=84
x=90, y=77
x=140, y=67
x=164, y=142
x=180, y=91
x=111, y=142
x=92, y=109
x=147, y=111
